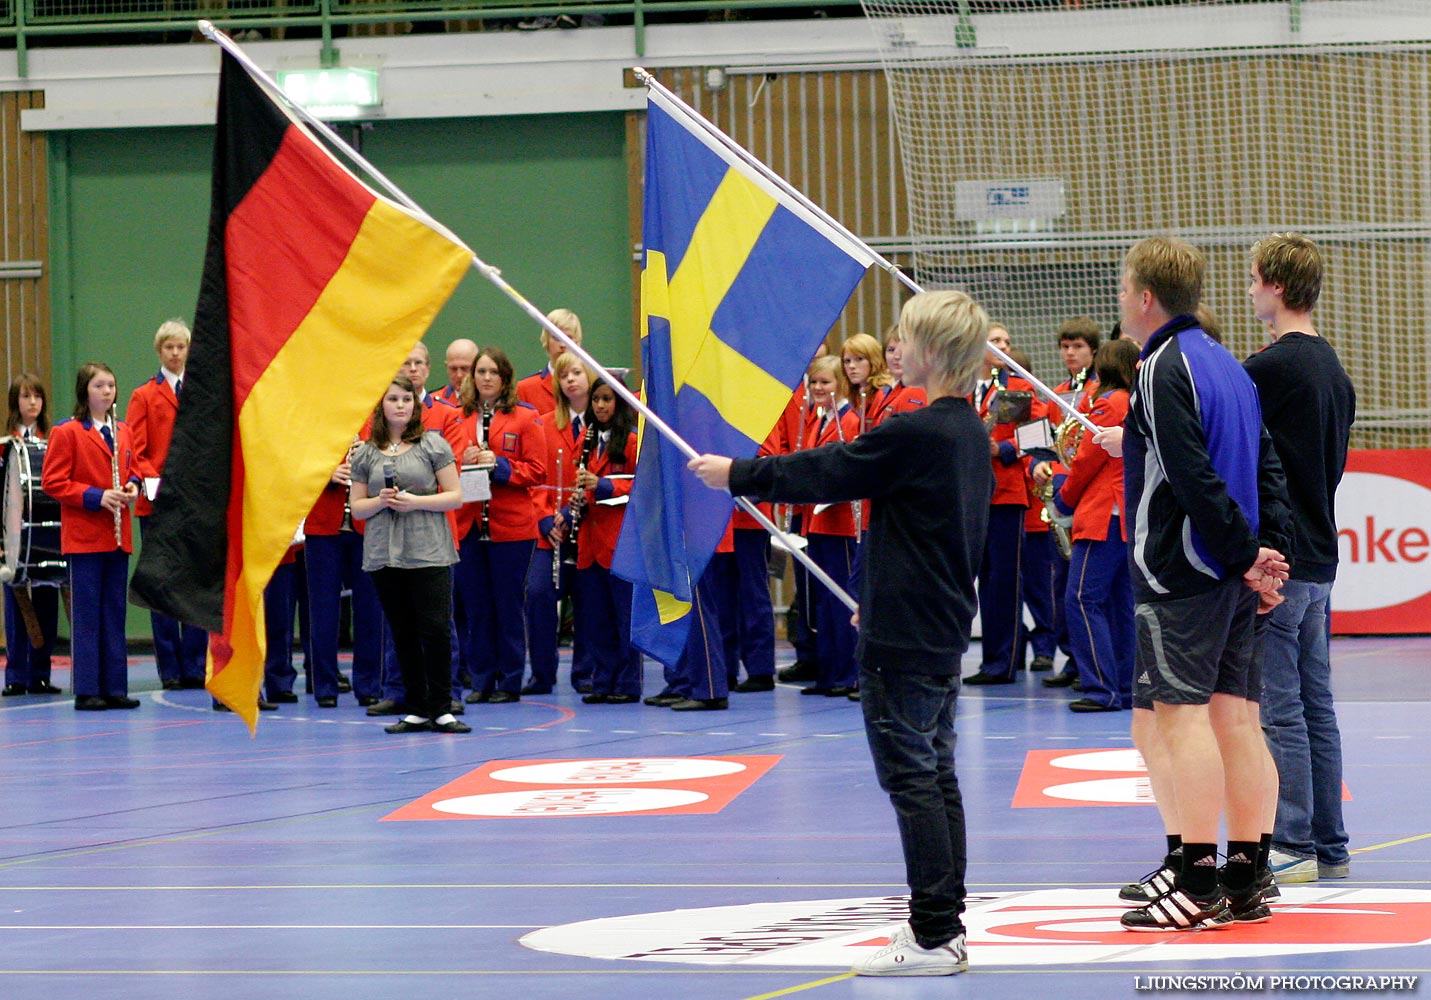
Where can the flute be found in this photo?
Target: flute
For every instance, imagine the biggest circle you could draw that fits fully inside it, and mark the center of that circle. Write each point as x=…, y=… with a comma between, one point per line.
x=114, y=472
x=556, y=547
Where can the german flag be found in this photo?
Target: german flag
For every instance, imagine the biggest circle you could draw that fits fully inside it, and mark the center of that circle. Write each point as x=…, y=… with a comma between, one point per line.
x=314, y=290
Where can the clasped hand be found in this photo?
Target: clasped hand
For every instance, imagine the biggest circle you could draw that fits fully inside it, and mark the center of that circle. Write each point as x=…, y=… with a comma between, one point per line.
x=398, y=500
x=116, y=500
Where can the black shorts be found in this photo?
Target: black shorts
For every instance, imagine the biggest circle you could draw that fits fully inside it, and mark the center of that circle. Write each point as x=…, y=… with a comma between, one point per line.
x=1192, y=647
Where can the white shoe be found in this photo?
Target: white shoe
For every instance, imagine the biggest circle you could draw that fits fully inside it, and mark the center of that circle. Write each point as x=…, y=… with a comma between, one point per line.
x=903, y=956
x=1290, y=868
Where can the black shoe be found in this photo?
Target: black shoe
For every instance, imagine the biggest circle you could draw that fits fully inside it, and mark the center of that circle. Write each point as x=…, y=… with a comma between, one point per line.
x=984, y=678
x=327, y=702
x=266, y=706
x=1041, y=663
x=504, y=697
x=663, y=700
x=1248, y=905
x=90, y=703
x=11, y=690
x=219, y=706
x=403, y=726
x=1077, y=684
x=622, y=699
x=366, y=701
x=118, y=701
x=800, y=670
x=478, y=697
x=853, y=696
x=1089, y=705
x=595, y=698
x=1154, y=885
x=814, y=689
x=345, y=686
x=172, y=684
x=1059, y=680
x=451, y=727
x=536, y=689
x=287, y=698
x=839, y=691
x=191, y=683
x=44, y=687
x=700, y=705
x=1180, y=911
x=764, y=683
x=387, y=707
x=584, y=687
x=455, y=707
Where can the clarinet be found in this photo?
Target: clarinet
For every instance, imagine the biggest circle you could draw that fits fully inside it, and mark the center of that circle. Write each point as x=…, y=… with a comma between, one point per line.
x=484, y=532
x=578, y=502
x=556, y=549
x=347, y=523
x=114, y=472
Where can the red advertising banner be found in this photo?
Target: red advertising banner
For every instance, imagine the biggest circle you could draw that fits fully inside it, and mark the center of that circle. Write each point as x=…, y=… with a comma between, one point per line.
x=1384, y=534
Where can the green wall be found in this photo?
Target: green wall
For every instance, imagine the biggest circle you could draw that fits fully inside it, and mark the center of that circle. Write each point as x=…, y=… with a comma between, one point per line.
x=543, y=198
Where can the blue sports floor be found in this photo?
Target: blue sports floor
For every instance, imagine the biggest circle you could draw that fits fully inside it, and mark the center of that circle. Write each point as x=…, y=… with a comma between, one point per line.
x=162, y=853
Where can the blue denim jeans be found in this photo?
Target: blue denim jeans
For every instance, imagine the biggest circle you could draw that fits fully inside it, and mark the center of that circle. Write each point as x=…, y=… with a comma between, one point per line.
x=1300, y=723
x=909, y=721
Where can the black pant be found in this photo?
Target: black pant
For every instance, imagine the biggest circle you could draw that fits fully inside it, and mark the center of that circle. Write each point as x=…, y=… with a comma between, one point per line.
x=417, y=604
x=909, y=721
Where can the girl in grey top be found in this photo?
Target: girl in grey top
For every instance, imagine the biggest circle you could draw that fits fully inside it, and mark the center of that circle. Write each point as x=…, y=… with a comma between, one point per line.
x=404, y=480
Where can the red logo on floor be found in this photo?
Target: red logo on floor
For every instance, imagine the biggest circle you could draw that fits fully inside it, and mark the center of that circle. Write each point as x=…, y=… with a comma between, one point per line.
x=623, y=786
x=1104, y=777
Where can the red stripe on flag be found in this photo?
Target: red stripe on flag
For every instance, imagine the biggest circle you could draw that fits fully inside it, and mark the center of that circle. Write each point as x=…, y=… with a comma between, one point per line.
x=273, y=283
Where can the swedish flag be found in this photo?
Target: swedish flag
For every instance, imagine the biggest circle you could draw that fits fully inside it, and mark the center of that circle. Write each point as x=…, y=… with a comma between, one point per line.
x=741, y=283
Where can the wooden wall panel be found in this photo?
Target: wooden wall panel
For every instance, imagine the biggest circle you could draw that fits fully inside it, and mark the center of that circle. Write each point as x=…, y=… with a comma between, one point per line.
x=24, y=233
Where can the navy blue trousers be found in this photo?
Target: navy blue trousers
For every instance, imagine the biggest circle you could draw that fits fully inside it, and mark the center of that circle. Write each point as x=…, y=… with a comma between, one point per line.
x=544, y=623
x=1100, y=618
x=98, y=583
x=24, y=664
x=834, y=635
x=280, y=604
x=332, y=561
x=491, y=577
x=1000, y=590
x=701, y=673
x=754, y=616
x=603, y=620
x=179, y=649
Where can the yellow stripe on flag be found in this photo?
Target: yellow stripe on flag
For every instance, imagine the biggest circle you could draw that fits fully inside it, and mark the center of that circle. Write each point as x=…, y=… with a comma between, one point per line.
x=300, y=415
x=669, y=608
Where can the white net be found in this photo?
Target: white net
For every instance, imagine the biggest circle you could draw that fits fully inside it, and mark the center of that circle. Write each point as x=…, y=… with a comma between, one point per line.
x=1041, y=137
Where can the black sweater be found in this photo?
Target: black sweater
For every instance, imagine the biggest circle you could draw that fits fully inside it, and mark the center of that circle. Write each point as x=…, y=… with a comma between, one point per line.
x=928, y=476
x=1308, y=405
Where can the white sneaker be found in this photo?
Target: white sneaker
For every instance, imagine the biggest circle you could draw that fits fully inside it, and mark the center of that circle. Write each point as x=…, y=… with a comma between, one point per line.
x=903, y=956
x=1290, y=868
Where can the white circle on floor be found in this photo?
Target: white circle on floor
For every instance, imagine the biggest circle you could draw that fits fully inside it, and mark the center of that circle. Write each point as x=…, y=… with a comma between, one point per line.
x=539, y=802
x=617, y=771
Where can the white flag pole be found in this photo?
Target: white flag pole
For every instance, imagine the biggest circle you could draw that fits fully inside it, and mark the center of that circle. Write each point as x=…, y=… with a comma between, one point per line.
x=670, y=98
x=494, y=275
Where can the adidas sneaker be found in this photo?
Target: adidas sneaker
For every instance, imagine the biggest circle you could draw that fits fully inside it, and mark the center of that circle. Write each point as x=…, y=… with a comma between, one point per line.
x=904, y=956
x=1149, y=887
x=1180, y=911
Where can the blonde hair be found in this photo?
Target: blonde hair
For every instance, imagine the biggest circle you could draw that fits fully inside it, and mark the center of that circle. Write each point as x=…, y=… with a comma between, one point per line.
x=567, y=321
x=564, y=363
x=862, y=345
x=950, y=330
x=1170, y=268
x=171, y=329
x=828, y=364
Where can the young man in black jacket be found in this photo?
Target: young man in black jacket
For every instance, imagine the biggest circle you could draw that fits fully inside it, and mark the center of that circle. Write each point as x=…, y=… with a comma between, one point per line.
x=929, y=481
x=1308, y=404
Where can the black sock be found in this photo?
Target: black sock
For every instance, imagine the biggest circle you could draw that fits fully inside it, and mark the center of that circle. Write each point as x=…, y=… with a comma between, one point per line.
x=1174, y=858
x=1199, y=874
x=1241, y=865
x=1264, y=851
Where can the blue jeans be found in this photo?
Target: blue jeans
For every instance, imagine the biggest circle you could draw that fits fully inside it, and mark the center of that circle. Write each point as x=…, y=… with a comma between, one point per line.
x=909, y=722
x=1300, y=723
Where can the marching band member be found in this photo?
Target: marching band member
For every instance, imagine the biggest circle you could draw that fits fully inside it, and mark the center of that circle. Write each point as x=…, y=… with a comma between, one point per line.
x=1100, y=591
x=752, y=617
x=458, y=359
x=179, y=649
x=831, y=534
x=539, y=388
x=1000, y=586
x=603, y=601
x=1039, y=553
x=800, y=612
x=498, y=536
x=1078, y=339
x=27, y=668
x=866, y=375
x=90, y=469
x=566, y=441
x=404, y=480
x=897, y=398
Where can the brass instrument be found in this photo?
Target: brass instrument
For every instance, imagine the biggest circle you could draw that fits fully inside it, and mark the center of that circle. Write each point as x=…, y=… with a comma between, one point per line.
x=991, y=413
x=347, y=523
x=1065, y=444
x=578, y=502
x=114, y=472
